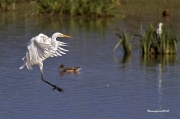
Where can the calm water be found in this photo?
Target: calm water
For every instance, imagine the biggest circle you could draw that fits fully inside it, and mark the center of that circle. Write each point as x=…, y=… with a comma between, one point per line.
x=110, y=85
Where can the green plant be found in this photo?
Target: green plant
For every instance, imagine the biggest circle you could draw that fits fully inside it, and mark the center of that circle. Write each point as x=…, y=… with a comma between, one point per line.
x=96, y=8
x=5, y=5
x=125, y=40
x=166, y=43
x=147, y=39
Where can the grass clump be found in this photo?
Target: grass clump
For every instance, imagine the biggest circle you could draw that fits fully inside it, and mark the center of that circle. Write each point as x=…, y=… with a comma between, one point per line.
x=124, y=40
x=97, y=8
x=6, y=5
x=152, y=43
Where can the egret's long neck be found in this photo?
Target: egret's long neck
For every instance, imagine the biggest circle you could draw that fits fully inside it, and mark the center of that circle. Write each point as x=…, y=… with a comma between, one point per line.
x=53, y=41
x=160, y=27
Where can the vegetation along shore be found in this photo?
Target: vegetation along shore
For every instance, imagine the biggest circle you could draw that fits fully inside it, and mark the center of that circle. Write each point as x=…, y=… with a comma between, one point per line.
x=88, y=8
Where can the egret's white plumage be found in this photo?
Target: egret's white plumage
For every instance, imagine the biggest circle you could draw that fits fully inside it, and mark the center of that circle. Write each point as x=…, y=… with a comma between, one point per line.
x=159, y=30
x=42, y=47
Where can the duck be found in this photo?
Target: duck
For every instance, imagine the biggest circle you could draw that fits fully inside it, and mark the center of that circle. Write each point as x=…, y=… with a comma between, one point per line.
x=69, y=69
x=166, y=12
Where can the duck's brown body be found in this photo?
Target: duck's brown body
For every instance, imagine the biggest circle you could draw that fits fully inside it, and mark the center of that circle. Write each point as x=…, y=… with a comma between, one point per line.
x=70, y=69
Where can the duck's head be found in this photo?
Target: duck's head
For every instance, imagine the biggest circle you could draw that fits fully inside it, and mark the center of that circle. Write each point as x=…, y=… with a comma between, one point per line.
x=61, y=67
x=166, y=12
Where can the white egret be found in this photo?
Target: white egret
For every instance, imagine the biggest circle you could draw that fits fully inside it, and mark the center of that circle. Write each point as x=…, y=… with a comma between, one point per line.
x=40, y=48
x=159, y=30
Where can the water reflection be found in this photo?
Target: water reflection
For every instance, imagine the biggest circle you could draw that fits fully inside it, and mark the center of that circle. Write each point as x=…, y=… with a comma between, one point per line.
x=68, y=73
x=160, y=65
x=160, y=85
x=124, y=59
x=77, y=25
x=160, y=60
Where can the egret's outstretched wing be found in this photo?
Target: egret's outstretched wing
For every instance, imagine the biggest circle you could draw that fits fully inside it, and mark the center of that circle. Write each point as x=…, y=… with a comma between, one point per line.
x=60, y=50
x=40, y=48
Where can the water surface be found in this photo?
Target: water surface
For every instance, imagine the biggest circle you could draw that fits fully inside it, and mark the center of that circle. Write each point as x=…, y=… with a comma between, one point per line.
x=110, y=85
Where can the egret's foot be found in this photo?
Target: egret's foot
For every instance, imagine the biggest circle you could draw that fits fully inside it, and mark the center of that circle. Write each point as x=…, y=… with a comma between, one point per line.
x=57, y=88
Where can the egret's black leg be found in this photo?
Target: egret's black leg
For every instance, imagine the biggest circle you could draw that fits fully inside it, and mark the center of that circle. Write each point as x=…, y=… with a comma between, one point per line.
x=54, y=86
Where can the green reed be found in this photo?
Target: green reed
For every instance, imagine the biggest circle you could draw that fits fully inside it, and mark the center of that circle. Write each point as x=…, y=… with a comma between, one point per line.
x=147, y=38
x=96, y=8
x=6, y=5
x=124, y=40
x=150, y=41
x=154, y=44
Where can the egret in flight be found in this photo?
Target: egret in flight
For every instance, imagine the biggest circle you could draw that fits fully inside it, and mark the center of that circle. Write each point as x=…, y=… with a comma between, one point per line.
x=42, y=47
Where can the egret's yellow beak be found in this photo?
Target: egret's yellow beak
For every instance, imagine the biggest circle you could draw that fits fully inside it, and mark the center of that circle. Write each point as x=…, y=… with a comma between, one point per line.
x=66, y=36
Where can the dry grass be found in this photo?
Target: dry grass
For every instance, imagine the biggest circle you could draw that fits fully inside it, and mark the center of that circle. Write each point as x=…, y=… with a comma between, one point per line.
x=144, y=7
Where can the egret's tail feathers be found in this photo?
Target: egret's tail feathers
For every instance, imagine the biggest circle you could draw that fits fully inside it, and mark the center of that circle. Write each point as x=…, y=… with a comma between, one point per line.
x=23, y=58
x=22, y=66
x=29, y=66
x=26, y=62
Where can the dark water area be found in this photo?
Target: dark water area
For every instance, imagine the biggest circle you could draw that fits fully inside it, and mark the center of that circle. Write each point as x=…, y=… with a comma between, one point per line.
x=109, y=86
